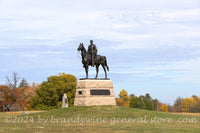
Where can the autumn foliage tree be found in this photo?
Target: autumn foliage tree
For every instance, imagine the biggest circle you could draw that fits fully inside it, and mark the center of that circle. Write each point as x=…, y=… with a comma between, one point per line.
x=20, y=98
x=188, y=103
x=6, y=94
x=29, y=92
x=123, y=99
x=164, y=108
x=16, y=97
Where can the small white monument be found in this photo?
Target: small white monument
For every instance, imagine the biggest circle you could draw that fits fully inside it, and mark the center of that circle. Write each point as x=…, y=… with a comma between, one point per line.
x=64, y=101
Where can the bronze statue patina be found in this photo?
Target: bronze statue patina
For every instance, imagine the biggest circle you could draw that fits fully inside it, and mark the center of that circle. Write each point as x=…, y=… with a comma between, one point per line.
x=92, y=50
x=90, y=58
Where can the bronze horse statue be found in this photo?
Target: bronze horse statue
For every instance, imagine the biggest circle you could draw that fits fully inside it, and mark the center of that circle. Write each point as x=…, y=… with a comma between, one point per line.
x=86, y=60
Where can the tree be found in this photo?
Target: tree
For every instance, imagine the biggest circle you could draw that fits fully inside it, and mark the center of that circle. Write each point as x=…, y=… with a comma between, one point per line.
x=148, y=102
x=121, y=102
x=156, y=104
x=141, y=103
x=123, y=98
x=20, y=104
x=191, y=104
x=6, y=93
x=23, y=84
x=29, y=92
x=148, y=97
x=164, y=108
x=196, y=98
x=178, y=104
x=16, y=97
x=7, y=97
x=20, y=97
x=131, y=96
x=170, y=108
x=124, y=95
x=3, y=97
x=196, y=107
x=49, y=94
x=12, y=82
x=138, y=102
x=134, y=102
x=187, y=104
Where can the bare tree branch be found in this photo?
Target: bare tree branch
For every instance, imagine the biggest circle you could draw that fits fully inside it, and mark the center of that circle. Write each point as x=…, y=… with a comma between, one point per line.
x=13, y=81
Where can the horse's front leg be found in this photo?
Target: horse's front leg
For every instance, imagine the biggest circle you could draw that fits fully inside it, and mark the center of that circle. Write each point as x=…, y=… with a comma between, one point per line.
x=86, y=71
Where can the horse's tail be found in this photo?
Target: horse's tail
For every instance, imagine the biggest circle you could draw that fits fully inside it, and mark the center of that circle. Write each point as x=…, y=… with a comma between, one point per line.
x=105, y=60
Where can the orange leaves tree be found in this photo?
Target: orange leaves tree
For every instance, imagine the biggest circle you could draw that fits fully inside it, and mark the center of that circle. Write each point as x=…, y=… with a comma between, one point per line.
x=16, y=97
x=123, y=99
x=6, y=97
x=6, y=94
x=20, y=100
x=29, y=92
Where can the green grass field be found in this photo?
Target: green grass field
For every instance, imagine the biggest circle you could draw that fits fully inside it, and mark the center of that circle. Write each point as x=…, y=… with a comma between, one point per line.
x=99, y=119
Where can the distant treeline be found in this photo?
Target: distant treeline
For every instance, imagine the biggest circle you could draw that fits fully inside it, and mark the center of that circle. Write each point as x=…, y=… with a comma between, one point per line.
x=147, y=102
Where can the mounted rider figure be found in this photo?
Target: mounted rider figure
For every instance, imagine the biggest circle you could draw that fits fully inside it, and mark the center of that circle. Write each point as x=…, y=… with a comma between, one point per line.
x=92, y=50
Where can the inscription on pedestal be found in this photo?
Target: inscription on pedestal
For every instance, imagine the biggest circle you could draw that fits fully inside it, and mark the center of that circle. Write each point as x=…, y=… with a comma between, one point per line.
x=99, y=92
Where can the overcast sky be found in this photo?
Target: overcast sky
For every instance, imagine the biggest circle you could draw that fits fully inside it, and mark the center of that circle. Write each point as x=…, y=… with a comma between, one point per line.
x=152, y=46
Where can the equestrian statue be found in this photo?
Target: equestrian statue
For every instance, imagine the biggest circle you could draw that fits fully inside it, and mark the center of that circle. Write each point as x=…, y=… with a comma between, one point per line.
x=90, y=58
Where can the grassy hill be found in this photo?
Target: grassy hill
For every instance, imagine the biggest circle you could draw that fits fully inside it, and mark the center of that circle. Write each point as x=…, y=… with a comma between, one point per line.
x=98, y=119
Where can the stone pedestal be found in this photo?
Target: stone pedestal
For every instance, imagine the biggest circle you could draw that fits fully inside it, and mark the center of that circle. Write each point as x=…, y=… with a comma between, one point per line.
x=94, y=92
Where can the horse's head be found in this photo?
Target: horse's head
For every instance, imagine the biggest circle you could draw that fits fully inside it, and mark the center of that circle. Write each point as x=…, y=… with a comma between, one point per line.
x=81, y=47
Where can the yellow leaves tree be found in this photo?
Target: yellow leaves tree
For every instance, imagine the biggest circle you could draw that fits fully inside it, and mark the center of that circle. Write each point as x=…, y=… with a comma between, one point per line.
x=164, y=108
x=187, y=104
x=123, y=99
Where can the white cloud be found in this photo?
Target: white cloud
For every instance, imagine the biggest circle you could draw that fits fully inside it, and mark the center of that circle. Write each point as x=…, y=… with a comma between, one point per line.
x=186, y=71
x=181, y=15
x=112, y=24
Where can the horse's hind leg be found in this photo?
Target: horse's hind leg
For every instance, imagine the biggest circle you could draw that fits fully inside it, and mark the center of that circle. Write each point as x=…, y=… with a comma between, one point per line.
x=86, y=71
x=104, y=71
x=97, y=71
